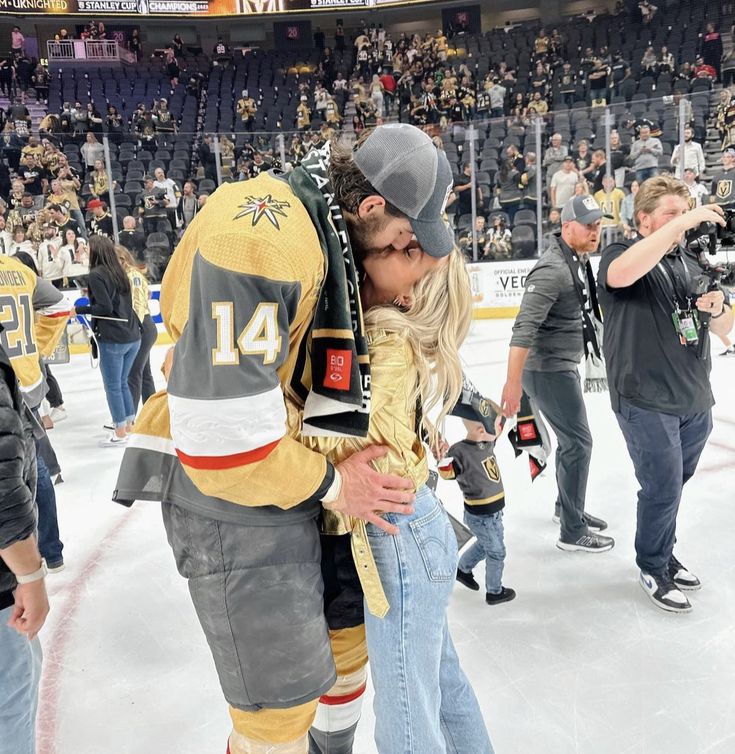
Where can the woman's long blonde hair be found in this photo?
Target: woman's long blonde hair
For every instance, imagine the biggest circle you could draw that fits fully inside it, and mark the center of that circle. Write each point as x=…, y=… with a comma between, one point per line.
x=434, y=326
x=128, y=261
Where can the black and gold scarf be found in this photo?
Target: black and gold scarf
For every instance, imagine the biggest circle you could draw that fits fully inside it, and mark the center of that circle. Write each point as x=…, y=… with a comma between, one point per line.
x=338, y=402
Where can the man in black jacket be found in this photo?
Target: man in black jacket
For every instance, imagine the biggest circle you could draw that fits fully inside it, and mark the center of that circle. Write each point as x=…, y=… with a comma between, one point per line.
x=133, y=238
x=23, y=600
x=207, y=158
x=100, y=223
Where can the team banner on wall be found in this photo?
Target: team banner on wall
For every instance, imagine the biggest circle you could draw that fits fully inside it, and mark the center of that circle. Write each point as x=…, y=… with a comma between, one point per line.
x=182, y=7
x=497, y=287
x=114, y=7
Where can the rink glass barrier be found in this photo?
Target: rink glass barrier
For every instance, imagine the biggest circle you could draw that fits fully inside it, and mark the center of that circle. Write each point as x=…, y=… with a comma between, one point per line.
x=521, y=199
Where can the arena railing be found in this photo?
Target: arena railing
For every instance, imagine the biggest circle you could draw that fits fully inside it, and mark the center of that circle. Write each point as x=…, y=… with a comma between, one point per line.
x=82, y=49
x=483, y=144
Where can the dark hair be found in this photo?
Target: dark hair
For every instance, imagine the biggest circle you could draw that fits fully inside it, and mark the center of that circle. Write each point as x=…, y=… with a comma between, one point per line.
x=25, y=258
x=506, y=169
x=102, y=254
x=351, y=187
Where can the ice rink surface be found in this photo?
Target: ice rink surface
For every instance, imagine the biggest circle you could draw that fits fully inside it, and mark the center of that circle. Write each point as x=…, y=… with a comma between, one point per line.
x=580, y=663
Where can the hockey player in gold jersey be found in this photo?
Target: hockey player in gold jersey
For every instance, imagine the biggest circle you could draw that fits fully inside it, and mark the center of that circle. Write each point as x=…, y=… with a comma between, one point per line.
x=262, y=300
x=33, y=315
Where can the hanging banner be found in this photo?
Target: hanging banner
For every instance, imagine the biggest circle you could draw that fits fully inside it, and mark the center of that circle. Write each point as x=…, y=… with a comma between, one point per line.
x=102, y=8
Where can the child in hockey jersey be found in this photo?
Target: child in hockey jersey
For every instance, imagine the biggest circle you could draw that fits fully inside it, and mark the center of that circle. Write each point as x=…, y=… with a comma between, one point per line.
x=473, y=464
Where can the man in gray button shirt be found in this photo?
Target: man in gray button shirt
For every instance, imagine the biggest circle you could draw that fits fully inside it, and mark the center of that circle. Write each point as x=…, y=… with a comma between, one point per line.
x=545, y=351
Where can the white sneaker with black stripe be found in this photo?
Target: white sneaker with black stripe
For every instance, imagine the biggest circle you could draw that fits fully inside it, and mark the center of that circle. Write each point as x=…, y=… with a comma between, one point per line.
x=663, y=592
x=682, y=576
x=113, y=441
x=587, y=543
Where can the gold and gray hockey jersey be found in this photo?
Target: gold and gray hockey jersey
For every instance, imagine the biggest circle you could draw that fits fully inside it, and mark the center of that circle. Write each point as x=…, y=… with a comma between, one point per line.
x=237, y=299
x=33, y=315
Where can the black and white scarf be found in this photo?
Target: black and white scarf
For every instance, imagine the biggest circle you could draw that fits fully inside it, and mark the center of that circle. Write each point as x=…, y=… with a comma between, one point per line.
x=338, y=402
x=592, y=329
x=528, y=435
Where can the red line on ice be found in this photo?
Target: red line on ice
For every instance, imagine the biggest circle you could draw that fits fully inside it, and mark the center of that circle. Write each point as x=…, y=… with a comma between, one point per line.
x=55, y=648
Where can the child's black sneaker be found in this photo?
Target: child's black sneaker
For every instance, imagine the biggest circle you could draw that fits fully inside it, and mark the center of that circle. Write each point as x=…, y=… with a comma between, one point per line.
x=682, y=576
x=504, y=595
x=468, y=580
x=664, y=593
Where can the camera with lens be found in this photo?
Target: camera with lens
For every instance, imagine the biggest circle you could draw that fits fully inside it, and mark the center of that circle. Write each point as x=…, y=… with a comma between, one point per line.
x=704, y=241
x=709, y=238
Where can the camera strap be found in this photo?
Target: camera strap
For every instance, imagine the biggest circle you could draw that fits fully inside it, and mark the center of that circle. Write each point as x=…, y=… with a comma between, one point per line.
x=678, y=288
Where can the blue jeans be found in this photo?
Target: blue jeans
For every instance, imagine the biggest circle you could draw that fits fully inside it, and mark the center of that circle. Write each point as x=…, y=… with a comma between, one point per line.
x=20, y=673
x=78, y=215
x=665, y=450
x=645, y=173
x=423, y=700
x=490, y=545
x=116, y=360
x=48, y=526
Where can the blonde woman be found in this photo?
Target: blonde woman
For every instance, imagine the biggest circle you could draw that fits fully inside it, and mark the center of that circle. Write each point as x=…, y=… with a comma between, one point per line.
x=377, y=93
x=423, y=700
x=140, y=379
x=227, y=152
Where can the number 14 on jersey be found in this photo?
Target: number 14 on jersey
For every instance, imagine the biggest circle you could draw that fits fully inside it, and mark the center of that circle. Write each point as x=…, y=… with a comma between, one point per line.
x=260, y=337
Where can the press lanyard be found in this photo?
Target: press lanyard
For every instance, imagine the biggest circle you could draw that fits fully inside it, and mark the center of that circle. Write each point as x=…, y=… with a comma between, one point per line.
x=685, y=320
x=671, y=278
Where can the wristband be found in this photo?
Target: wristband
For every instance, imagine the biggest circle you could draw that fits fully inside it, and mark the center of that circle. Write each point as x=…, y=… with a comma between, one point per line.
x=332, y=493
x=29, y=578
x=717, y=316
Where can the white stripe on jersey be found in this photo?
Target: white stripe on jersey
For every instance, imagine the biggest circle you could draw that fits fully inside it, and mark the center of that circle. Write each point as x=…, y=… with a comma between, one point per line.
x=227, y=426
x=331, y=718
x=150, y=442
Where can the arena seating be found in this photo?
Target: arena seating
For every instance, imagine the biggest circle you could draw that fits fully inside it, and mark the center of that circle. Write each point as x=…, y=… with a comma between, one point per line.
x=275, y=81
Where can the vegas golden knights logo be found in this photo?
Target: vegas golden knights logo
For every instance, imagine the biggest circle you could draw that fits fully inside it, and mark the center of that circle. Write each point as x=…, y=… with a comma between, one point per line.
x=262, y=6
x=484, y=407
x=491, y=467
x=724, y=189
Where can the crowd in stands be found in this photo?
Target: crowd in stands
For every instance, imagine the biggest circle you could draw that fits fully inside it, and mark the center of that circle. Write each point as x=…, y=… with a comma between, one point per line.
x=164, y=161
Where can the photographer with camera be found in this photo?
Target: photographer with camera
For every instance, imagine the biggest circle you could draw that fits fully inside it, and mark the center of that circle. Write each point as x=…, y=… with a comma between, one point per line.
x=656, y=348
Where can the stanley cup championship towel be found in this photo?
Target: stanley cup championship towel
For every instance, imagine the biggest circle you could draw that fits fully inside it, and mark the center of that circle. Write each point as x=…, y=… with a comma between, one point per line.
x=339, y=400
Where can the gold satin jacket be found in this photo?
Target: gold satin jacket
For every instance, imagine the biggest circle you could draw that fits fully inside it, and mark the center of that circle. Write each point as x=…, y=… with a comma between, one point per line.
x=393, y=424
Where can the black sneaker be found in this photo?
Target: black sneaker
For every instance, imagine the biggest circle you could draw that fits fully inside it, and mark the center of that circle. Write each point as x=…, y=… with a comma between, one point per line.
x=504, y=595
x=468, y=580
x=664, y=593
x=682, y=576
x=593, y=523
x=588, y=543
